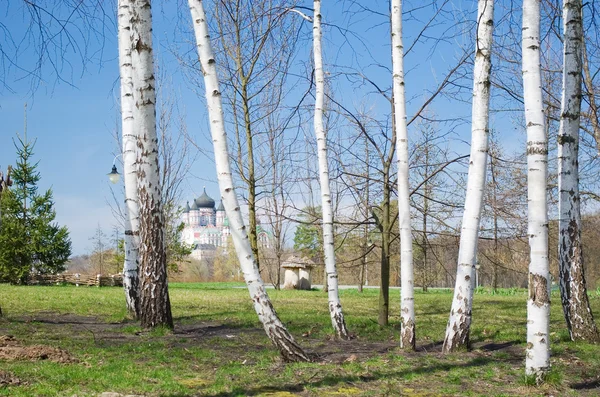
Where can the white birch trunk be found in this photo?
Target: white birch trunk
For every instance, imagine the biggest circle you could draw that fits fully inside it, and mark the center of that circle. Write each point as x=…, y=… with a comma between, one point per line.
x=407, y=301
x=130, y=266
x=335, y=306
x=537, y=361
x=459, y=323
x=575, y=302
x=155, y=307
x=274, y=328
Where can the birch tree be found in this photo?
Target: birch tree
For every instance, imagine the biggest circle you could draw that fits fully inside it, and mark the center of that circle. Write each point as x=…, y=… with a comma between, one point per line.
x=335, y=307
x=575, y=302
x=382, y=134
x=407, y=300
x=459, y=323
x=274, y=328
x=130, y=212
x=537, y=361
x=254, y=50
x=155, y=306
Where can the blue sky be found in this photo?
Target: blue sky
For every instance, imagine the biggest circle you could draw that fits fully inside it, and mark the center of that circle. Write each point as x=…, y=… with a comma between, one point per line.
x=74, y=122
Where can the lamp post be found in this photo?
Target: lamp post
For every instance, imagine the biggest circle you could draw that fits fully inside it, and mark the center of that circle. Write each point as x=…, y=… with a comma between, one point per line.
x=114, y=175
x=114, y=178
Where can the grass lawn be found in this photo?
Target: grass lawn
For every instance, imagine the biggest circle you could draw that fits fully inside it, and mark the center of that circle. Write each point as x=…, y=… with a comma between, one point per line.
x=76, y=341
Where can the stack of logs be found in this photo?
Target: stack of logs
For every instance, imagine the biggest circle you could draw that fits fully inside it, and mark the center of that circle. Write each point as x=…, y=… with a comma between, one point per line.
x=115, y=280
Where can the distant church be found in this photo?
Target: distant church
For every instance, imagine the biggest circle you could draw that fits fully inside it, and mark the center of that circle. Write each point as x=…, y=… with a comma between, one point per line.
x=206, y=228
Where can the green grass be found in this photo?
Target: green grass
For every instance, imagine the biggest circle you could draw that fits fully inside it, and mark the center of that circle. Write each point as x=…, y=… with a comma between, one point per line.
x=219, y=349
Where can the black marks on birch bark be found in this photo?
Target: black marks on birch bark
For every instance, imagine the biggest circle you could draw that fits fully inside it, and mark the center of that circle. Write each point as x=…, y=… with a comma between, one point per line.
x=563, y=139
x=537, y=148
x=538, y=290
x=408, y=335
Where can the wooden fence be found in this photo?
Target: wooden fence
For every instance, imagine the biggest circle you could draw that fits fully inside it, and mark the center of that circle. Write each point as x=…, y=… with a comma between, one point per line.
x=115, y=280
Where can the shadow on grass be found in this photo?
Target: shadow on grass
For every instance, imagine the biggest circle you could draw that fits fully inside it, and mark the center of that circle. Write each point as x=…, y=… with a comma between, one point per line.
x=589, y=385
x=330, y=380
x=475, y=345
x=490, y=347
x=57, y=319
x=431, y=347
x=222, y=316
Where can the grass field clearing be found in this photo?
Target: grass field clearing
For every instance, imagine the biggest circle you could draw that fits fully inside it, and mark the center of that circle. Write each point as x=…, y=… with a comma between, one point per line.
x=219, y=349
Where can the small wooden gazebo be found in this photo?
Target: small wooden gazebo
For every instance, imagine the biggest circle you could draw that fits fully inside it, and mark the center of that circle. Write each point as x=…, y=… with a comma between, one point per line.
x=297, y=272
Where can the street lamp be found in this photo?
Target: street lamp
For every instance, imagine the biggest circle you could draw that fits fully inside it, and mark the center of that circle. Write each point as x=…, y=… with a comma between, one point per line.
x=114, y=175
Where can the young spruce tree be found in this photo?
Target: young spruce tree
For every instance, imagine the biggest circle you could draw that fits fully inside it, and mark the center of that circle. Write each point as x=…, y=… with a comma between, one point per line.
x=30, y=240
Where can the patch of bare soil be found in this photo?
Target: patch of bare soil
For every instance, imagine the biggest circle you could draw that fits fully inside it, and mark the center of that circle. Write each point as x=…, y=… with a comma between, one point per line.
x=12, y=350
x=340, y=351
x=8, y=379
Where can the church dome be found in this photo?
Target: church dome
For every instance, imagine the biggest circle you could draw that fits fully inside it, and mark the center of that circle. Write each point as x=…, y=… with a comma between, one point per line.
x=204, y=201
x=194, y=207
x=221, y=207
x=187, y=207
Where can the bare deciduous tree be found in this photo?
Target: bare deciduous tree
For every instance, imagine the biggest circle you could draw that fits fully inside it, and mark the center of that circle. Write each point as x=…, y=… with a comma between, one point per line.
x=537, y=362
x=335, y=307
x=276, y=331
x=129, y=142
x=407, y=299
x=459, y=323
x=573, y=292
x=254, y=48
x=155, y=306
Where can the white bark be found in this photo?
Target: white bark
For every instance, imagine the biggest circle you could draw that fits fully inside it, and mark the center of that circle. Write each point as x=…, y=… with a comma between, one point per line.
x=335, y=306
x=407, y=301
x=130, y=266
x=274, y=328
x=155, y=307
x=459, y=323
x=537, y=360
x=575, y=302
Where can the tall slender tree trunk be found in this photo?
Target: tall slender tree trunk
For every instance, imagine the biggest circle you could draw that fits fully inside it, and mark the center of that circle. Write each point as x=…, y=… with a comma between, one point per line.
x=363, y=262
x=573, y=293
x=407, y=300
x=425, y=244
x=367, y=207
x=274, y=328
x=384, y=227
x=495, y=216
x=130, y=266
x=459, y=323
x=335, y=306
x=251, y=177
x=537, y=361
x=155, y=307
